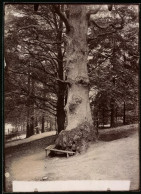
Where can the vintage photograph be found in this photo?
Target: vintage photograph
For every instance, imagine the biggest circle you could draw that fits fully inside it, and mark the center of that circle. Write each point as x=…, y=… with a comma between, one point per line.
x=71, y=97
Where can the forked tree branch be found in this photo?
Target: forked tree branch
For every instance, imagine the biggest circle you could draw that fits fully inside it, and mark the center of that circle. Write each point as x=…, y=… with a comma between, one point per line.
x=95, y=11
x=63, y=17
x=114, y=26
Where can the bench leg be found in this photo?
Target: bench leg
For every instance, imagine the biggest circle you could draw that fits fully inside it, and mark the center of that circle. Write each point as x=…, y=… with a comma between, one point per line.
x=67, y=155
x=47, y=152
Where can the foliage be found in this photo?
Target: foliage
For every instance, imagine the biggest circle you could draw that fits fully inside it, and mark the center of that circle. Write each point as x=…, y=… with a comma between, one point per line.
x=35, y=60
x=113, y=67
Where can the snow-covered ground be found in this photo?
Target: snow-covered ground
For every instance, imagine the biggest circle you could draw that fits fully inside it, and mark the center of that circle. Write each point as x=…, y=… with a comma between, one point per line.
x=32, y=138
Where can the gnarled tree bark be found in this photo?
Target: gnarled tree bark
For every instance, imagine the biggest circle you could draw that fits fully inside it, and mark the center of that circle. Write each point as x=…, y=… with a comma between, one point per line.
x=79, y=130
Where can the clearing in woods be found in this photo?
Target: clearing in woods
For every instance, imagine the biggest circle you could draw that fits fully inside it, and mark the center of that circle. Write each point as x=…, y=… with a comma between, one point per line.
x=110, y=160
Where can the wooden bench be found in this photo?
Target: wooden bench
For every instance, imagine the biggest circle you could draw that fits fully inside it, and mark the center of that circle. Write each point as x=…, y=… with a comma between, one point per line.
x=52, y=148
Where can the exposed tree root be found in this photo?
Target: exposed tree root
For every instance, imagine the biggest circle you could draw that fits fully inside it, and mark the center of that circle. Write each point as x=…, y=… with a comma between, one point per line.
x=76, y=139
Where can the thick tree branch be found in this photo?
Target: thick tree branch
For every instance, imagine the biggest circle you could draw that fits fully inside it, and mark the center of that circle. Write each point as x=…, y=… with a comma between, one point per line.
x=63, y=81
x=113, y=25
x=63, y=17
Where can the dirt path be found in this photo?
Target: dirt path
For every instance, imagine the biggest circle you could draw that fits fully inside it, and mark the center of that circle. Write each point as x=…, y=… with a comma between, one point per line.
x=115, y=160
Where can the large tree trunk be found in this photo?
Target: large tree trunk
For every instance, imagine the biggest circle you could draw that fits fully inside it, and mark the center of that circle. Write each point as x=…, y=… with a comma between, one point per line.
x=79, y=128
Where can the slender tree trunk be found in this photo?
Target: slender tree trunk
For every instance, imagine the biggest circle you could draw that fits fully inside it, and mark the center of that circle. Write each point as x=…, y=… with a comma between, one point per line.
x=113, y=62
x=124, y=114
x=56, y=126
x=36, y=126
x=116, y=115
x=47, y=125
x=43, y=114
x=60, y=117
x=112, y=113
x=60, y=109
x=28, y=124
x=31, y=126
x=50, y=125
x=61, y=98
x=97, y=118
x=79, y=128
x=30, y=105
x=32, y=119
x=27, y=130
x=43, y=123
x=103, y=117
x=97, y=124
x=36, y=121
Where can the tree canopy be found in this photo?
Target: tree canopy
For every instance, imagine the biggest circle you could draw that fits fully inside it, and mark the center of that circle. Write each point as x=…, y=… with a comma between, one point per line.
x=36, y=58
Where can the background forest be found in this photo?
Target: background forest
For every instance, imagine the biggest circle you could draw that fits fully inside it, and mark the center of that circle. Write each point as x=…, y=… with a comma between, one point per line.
x=35, y=73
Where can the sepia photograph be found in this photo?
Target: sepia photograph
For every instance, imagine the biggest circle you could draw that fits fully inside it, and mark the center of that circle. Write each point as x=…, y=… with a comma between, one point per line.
x=71, y=97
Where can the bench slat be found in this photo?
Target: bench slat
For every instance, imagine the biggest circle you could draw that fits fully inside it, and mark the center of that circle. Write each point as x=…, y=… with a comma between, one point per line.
x=65, y=151
x=50, y=147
